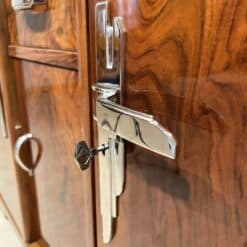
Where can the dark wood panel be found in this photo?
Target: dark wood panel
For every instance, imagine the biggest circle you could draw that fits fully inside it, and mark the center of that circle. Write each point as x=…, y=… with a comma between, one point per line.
x=65, y=59
x=53, y=101
x=51, y=27
x=186, y=65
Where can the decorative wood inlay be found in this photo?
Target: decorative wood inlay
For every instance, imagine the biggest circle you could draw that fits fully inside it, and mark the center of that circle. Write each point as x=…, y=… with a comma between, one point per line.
x=59, y=58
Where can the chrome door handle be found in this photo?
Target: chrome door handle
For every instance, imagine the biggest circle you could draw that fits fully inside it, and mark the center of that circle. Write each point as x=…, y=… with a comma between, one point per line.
x=115, y=122
x=2, y=117
x=136, y=127
x=21, y=141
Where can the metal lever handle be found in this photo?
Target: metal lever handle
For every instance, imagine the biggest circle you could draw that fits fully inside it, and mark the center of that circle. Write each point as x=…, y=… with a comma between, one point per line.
x=115, y=123
x=136, y=127
x=17, y=153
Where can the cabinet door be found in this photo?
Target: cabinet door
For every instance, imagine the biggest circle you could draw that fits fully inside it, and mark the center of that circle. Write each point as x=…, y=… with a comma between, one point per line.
x=53, y=100
x=186, y=65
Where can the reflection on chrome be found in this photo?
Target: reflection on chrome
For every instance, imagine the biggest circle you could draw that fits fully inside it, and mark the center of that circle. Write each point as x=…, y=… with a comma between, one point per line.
x=136, y=127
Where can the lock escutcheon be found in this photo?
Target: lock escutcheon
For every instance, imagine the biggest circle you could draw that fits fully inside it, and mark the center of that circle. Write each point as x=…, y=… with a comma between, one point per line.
x=84, y=155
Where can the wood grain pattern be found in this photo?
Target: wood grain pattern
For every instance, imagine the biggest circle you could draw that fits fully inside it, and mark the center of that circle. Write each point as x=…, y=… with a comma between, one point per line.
x=53, y=101
x=51, y=27
x=16, y=116
x=186, y=65
x=59, y=58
